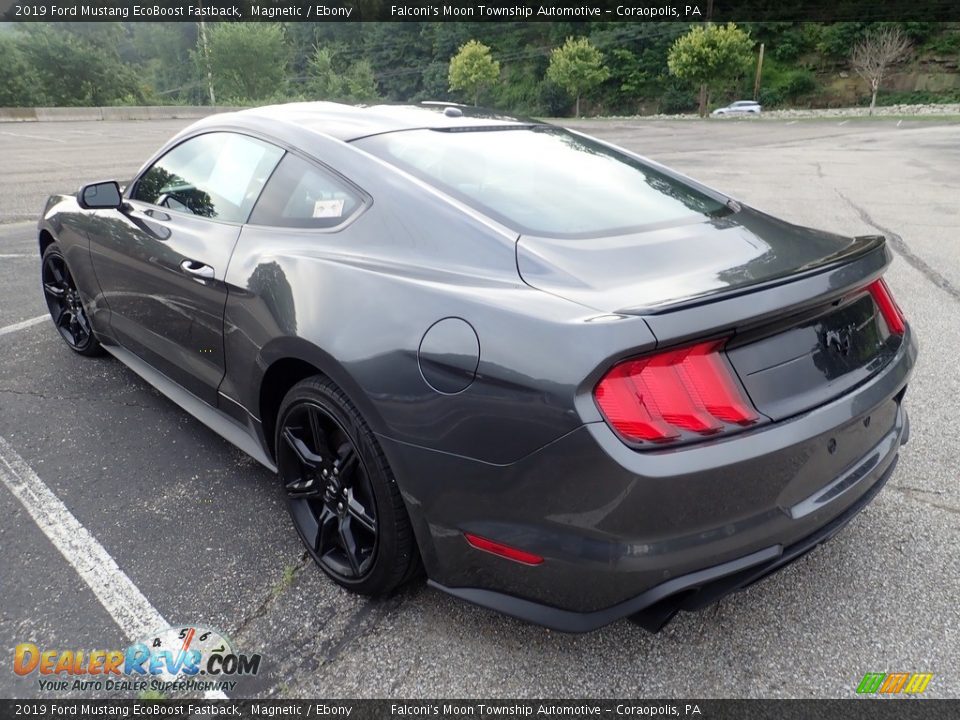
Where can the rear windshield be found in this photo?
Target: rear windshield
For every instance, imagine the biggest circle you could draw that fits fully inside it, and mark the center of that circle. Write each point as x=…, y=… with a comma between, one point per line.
x=544, y=181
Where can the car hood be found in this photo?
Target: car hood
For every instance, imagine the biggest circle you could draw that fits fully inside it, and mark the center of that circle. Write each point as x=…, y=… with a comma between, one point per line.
x=645, y=270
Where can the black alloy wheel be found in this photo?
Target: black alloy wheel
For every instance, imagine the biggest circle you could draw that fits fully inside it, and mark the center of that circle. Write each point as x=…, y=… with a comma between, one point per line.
x=65, y=305
x=339, y=491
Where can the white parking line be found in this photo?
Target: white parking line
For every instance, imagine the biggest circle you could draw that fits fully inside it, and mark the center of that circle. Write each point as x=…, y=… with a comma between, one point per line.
x=17, y=255
x=116, y=592
x=34, y=137
x=23, y=325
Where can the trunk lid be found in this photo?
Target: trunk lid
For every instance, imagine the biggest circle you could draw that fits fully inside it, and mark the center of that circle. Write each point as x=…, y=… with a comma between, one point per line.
x=676, y=263
x=806, y=360
x=803, y=326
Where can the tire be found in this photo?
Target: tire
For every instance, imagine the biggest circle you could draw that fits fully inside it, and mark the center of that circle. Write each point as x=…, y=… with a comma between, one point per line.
x=340, y=491
x=65, y=304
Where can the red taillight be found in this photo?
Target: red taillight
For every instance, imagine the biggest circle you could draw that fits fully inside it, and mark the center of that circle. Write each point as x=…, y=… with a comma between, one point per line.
x=521, y=556
x=891, y=312
x=660, y=397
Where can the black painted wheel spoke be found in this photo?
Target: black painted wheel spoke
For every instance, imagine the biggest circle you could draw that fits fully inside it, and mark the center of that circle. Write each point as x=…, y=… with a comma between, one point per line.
x=359, y=513
x=55, y=290
x=304, y=489
x=328, y=490
x=64, y=303
x=82, y=322
x=317, y=434
x=304, y=454
x=347, y=462
x=58, y=273
x=296, y=484
x=327, y=531
x=65, y=318
x=349, y=544
x=67, y=323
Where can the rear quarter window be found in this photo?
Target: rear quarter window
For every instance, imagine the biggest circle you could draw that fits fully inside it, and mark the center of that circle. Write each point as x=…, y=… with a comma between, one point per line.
x=544, y=181
x=300, y=194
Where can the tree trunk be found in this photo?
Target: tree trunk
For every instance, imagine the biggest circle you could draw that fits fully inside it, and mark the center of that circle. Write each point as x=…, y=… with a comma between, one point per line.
x=206, y=62
x=578, y=106
x=702, y=109
x=873, y=96
x=476, y=97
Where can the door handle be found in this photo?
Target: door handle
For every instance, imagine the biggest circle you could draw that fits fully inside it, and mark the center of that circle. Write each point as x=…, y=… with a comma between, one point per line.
x=197, y=269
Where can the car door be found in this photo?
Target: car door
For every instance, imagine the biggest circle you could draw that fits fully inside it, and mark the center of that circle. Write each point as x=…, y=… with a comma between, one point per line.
x=161, y=265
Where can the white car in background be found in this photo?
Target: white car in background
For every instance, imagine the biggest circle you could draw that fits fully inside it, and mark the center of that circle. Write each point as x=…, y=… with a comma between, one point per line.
x=741, y=107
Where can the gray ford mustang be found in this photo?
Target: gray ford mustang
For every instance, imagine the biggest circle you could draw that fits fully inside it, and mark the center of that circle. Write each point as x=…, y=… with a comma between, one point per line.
x=566, y=382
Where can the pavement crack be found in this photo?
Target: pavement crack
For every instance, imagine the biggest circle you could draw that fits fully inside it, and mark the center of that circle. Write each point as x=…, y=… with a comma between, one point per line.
x=29, y=393
x=911, y=488
x=360, y=623
x=364, y=619
x=905, y=252
x=918, y=495
x=356, y=627
x=274, y=594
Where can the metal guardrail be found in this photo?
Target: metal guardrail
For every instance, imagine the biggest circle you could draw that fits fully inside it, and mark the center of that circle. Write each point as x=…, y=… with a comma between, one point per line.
x=143, y=112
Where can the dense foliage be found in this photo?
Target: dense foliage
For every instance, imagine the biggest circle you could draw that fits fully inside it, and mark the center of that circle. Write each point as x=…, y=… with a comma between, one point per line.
x=158, y=63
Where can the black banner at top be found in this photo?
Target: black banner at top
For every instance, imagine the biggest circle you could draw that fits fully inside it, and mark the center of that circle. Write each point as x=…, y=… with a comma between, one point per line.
x=494, y=709
x=478, y=11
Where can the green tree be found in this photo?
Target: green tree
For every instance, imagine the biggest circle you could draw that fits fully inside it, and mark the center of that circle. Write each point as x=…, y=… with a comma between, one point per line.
x=323, y=82
x=472, y=69
x=19, y=85
x=712, y=55
x=248, y=60
x=70, y=68
x=327, y=81
x=397, y=53
x=162, y=52
x=360, y=83
x=577, y=67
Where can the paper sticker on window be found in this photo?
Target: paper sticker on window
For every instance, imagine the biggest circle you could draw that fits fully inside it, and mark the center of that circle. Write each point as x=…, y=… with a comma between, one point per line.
x=328, y=208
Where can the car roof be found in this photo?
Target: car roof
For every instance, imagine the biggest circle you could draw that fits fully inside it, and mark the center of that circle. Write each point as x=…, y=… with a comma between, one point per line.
x=351, y=122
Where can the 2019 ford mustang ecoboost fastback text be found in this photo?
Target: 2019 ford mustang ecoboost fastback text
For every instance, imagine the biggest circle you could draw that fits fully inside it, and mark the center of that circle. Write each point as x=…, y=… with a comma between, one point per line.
x=568, y=383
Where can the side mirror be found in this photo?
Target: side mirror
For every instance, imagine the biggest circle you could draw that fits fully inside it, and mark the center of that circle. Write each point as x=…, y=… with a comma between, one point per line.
x=100, y=196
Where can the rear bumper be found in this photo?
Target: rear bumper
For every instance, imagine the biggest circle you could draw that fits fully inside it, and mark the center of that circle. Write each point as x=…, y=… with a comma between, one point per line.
x=623, y=532
x=654, y=608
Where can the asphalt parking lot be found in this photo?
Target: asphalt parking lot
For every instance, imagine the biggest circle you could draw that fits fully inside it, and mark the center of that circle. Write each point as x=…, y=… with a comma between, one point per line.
x=201, y=531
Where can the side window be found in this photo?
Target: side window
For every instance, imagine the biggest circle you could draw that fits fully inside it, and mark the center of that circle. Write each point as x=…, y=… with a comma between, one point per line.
x=217, y=175
x=302, y=195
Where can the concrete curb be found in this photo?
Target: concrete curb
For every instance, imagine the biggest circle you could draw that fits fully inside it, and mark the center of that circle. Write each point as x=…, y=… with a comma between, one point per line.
x=145, y=112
